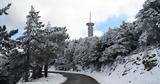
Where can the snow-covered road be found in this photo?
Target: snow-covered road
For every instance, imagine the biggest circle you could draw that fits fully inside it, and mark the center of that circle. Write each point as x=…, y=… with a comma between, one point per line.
x=76, y=78
x=51, y=79
x=63, y=78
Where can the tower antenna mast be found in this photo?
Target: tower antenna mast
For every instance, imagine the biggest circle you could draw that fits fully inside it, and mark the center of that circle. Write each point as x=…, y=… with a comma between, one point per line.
x=90, y=17
x=90, y=26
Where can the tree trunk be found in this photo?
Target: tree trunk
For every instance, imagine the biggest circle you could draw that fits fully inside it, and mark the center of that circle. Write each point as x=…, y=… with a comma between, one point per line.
x=46, y=70
x=34, y=72
x=26, y=77
x=37, y=72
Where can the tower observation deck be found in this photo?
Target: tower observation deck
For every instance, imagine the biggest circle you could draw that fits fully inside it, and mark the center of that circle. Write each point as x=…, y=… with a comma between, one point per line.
x=90, y=26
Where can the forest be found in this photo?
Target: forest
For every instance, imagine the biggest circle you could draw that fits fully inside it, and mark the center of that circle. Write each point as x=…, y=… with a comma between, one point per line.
x=42, y=46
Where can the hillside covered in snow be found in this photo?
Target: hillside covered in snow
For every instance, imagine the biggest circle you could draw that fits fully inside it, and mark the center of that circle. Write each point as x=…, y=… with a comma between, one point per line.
x=141, y=68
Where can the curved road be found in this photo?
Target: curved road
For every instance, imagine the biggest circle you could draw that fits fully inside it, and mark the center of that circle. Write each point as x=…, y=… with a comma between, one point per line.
x=74, y=78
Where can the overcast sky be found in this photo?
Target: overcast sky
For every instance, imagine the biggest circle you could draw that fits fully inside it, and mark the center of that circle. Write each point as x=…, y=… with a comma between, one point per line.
x=74, y=14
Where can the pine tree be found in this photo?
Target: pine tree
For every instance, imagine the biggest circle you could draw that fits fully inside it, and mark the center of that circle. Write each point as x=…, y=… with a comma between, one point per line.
x=148, y=23
x=32, y=27
x=68, y=58
x=6, y=44
x=12, y=63
x=53, y=44
x=5, y=41
x=4, y=10
x=84, y=53
x=118, y=42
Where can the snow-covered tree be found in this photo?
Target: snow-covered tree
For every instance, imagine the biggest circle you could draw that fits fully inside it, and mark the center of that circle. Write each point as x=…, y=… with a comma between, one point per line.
x=30, y=35
x=4, y=10
x=67, y=58
x=81, y=52
x=120, y=41
x=110, y=45
x=5, y=41
x=84, y=53
x=11, y=58
x=128, y=36
x=52, y=44
x=6, y=44
x=148, y=23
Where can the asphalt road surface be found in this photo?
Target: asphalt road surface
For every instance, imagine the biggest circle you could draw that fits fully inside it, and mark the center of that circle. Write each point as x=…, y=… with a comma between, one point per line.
x=74, y=78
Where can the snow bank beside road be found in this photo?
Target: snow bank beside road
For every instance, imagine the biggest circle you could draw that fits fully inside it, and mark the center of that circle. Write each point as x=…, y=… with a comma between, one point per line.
x=147, y=77
x=51, y=79
x=133, y=71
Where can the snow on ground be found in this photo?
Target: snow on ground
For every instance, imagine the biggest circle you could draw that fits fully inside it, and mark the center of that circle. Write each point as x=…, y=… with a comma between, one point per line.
x=51, y=79
x=134, y=74
x=151, y=77
x=130, y=72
